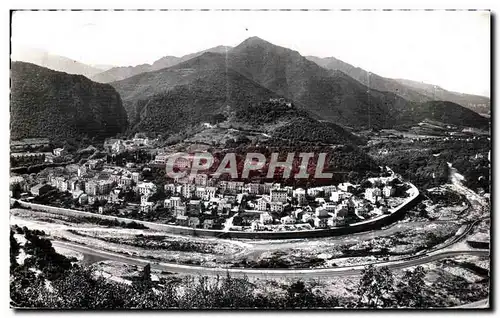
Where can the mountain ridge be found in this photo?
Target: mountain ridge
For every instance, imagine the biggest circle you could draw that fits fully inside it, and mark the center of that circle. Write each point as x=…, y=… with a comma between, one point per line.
x=408, y=89
x=330, y=95
x=58, y=105
x=123, y=72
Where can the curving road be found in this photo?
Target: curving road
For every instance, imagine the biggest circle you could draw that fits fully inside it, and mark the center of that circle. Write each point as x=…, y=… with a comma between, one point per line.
x=439, y=252
x=93, y=255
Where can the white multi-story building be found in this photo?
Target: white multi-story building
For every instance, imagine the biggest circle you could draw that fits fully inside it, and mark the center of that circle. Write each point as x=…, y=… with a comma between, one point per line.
x=256, y=226
x=161, y=159
x=276, y=206
x=146, y=206
x=117, y=147
x=373, y=194
x=329, y=206
x=169, y=187
x=337, y=196
x=62, y=184
x=146, y=187
x=266, y=187
x=345, y=186
x=314, y=191
x=279, y=195
x=125, y=181
x=210, y=192
x=253, y=188
x=187, y=190
x=320, y=223
x=91, y=187
x=201, y=179
x=200, y=192
x=300, y=195
x=329, y=189
x=235, y=186
x=388, y=191
x=262, y=203
x=135, y=177
x=266, y=218
x=173, y=202
x=289, y=219
x=180, y=210
x=82, y=170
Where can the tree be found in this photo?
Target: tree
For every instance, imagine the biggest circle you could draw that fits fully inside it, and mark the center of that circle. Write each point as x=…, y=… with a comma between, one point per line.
x=300, y=296
x=410, y=289
x=144, y=282
x=146, y=274
x=14, y=250
x=376, y=287
x=16, y=190
x=237, y=220
x=366, y=184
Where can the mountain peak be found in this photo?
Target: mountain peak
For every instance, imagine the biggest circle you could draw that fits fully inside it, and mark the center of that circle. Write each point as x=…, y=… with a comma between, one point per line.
x=253, y=41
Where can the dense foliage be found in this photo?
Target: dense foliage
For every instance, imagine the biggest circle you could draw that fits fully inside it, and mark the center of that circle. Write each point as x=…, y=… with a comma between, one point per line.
x=307, y=129
x=445, y=112
x=47, y=279
x=212, y=92
x=425, y=163
x=46, y=103
x=267, y=112
x=347, y=163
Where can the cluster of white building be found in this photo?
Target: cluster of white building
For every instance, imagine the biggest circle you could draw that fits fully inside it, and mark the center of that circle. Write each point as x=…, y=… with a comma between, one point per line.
x=197, y=200
x=117, y=146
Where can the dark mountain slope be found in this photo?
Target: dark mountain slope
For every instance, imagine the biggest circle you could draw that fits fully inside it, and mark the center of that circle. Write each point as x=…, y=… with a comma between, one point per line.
x=410, y=90
x=120, y=72
x=479, y=104
x=369, y=79
x=135, y=90
x=333, y=96
x=310, y=130
x=328, y=95
x=172, y=99
x=446, y=112
x=196, y=100
x=46, y=103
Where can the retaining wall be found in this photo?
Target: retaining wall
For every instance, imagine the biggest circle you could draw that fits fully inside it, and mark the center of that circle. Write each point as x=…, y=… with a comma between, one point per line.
x=372, y=224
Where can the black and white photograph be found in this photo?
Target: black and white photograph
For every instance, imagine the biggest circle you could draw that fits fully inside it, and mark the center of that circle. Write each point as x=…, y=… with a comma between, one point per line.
x=250, y=159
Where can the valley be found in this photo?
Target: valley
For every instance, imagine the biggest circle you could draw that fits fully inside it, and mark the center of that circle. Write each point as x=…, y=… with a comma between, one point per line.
x=251, y=170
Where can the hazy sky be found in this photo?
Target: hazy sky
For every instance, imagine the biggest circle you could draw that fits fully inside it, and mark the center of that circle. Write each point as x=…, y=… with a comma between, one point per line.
x=450, y=49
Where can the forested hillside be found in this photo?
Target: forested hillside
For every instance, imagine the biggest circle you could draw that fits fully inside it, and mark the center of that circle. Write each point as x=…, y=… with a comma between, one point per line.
x=47, y=103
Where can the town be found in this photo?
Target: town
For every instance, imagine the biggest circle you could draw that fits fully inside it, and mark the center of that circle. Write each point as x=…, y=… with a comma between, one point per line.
x=140, y=189
x=239, y=159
